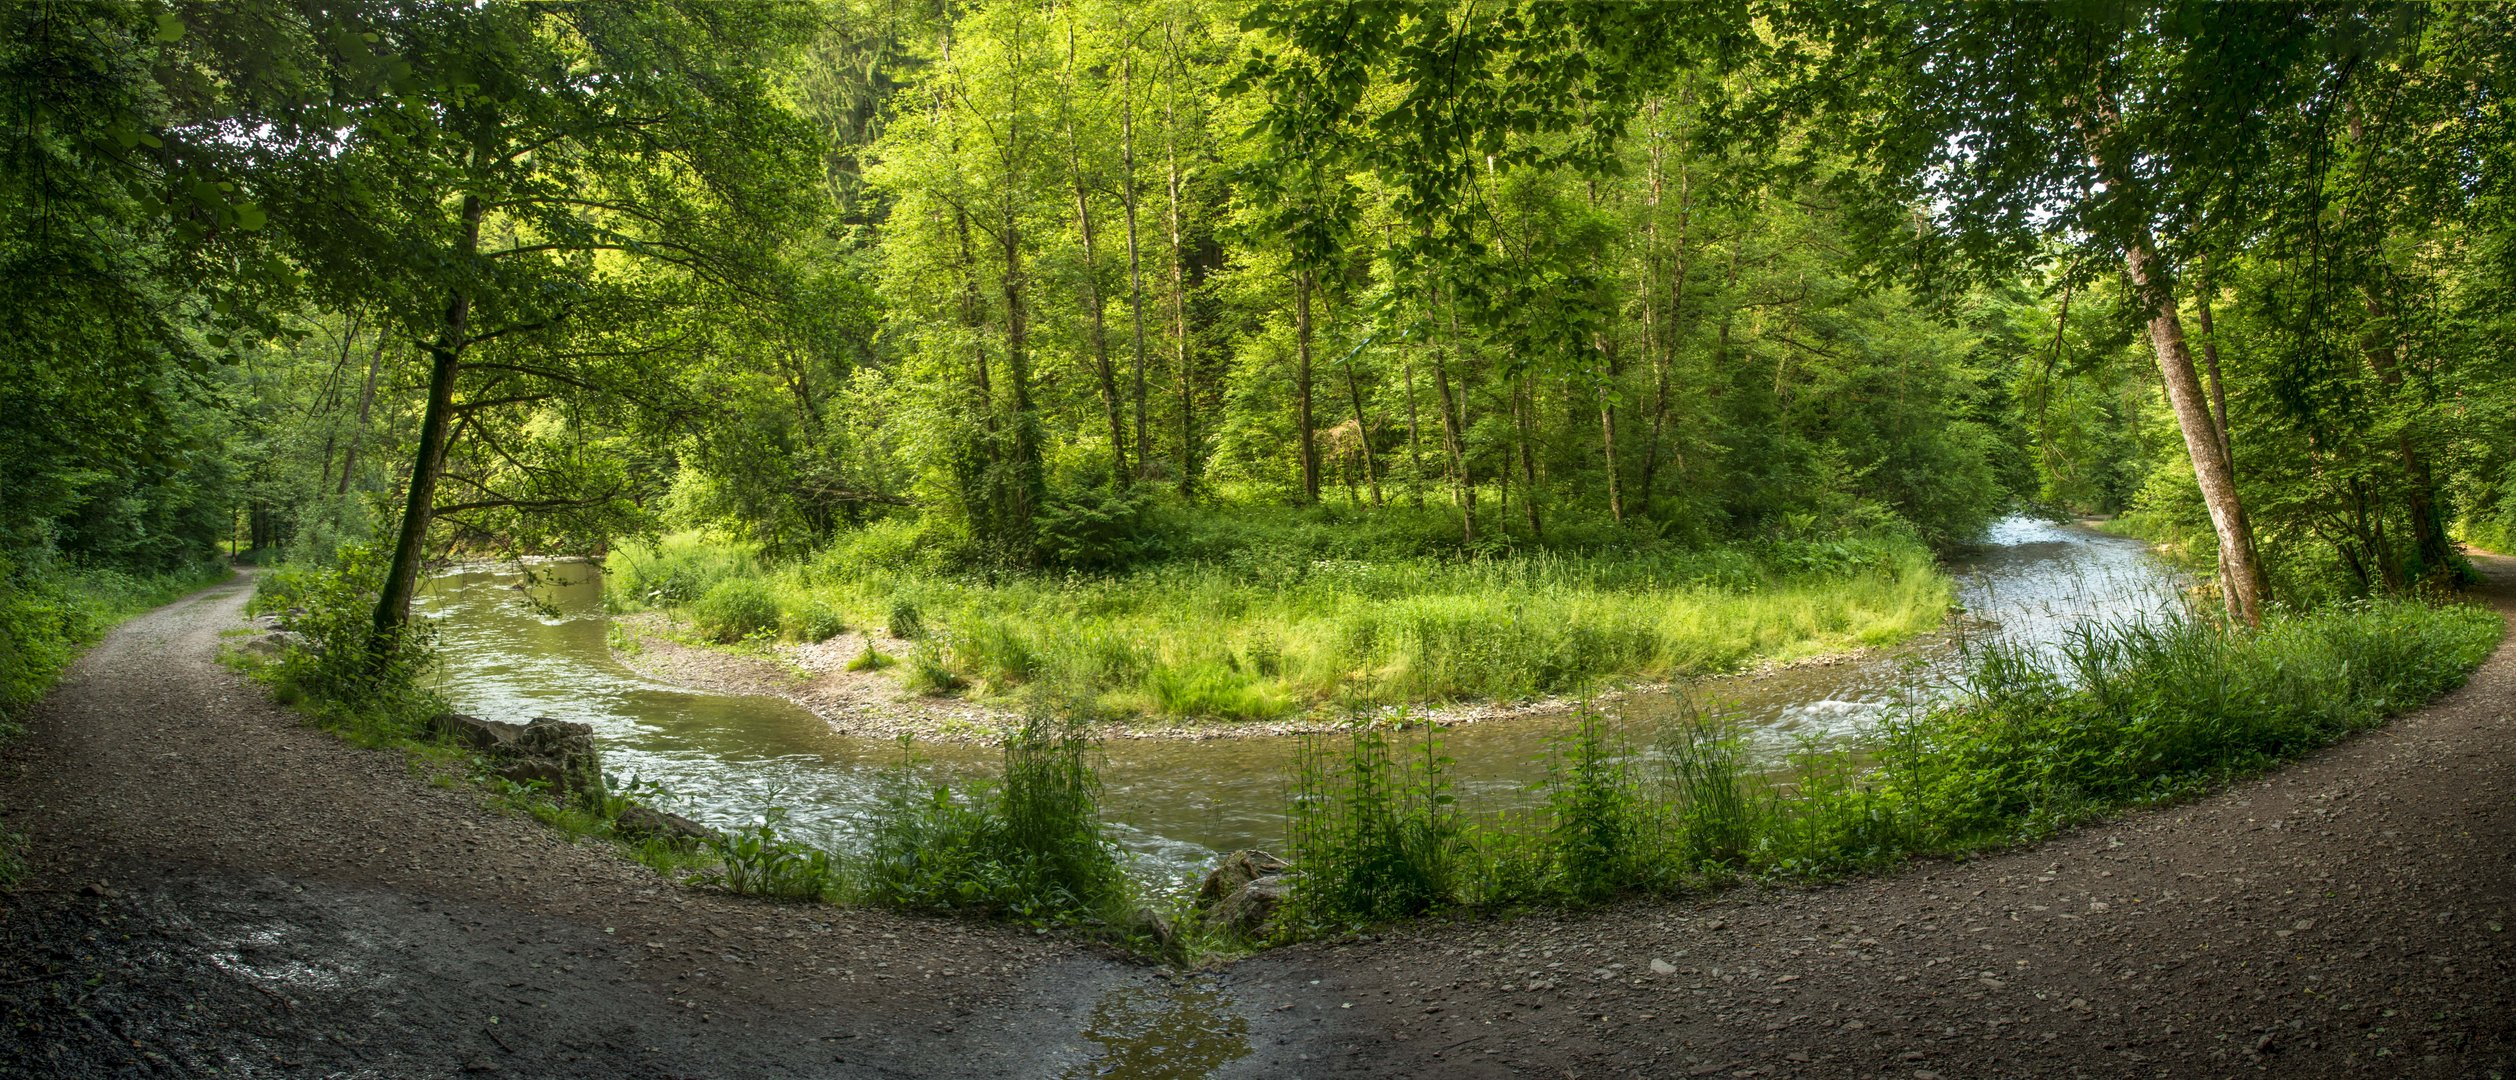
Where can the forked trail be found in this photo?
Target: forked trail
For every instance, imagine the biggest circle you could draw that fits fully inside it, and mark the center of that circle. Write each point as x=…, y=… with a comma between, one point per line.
x=216, y=886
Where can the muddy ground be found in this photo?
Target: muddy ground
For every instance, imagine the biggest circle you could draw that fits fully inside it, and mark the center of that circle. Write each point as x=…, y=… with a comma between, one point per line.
x=216, y=889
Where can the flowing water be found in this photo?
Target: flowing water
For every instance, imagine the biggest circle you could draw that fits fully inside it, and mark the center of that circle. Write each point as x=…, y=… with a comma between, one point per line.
x=515, y=649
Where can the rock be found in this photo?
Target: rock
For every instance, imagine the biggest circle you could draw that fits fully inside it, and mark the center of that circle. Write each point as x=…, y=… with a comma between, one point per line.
x=1662, y=967
x=647, y=823
x=473, y=732
x=1235, y=870
x=270, y=643
x=1248, y=909
x=556, y=753
x=1146, y=922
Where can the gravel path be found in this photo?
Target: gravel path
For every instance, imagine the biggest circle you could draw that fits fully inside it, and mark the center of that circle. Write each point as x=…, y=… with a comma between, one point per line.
x=2348, y=915
x=217, y=886
x=218, y=889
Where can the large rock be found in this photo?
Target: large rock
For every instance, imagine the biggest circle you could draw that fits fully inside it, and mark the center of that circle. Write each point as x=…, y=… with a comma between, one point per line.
x=473, y=732
x=1249, y=909
x=557, y=754
x=647, y=823
x=1243, y=891
x=1237, y=869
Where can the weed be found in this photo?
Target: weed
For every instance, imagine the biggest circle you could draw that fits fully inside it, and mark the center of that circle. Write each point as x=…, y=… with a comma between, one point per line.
x=734, y=609
x=1028, y=846
x=759, y=861
x=872, y=659
x=1374, y=833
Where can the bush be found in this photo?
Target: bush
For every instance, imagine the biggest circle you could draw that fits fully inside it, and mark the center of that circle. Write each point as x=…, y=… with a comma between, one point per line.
x=735, y=609
x=758, y=861
x=872, y=659
x=1096, y=530
x=1373, y=836
x=906, y=622
x=809, y=618
x=348, y=676
x=49, y=612
x=672, y=571
x=1029, y=846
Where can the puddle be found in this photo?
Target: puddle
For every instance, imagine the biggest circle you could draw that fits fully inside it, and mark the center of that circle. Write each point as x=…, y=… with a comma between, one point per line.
x=1180, y=1029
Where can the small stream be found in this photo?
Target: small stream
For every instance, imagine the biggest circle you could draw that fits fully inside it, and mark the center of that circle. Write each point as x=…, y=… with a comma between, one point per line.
x=1176, y=803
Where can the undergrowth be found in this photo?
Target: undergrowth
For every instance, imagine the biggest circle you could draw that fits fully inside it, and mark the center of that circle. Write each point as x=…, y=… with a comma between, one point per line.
x=2037, y=739
x=1275, y=624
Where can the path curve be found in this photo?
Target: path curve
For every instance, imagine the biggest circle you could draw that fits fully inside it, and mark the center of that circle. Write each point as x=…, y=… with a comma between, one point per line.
x=216, y=886
x=2352, y=914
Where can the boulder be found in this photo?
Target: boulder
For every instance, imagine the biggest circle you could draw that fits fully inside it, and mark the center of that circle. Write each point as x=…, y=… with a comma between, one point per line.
x=647, y=823
x=474, y=732
x=556, y=753
x=1235, y=870
x=1249, y=908
x=1144, y=922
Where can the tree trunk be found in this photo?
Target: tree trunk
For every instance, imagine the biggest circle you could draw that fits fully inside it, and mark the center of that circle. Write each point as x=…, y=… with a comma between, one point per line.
x=1096, y=324
x=1607, y=429
x=401, y=579
x=1415, y=442
x=2244, y=572
x=1308, y=443
x=2430, y=545
x=1362, y=429
x=1135, y=258
x=1454, y=417
x=1525, y=407
x=366, y=402
x=1179, y=307
x=2210, y=368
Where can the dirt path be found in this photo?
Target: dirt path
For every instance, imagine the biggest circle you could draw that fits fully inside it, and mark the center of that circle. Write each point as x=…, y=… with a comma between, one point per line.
x=278, y=903
x=2348, y=915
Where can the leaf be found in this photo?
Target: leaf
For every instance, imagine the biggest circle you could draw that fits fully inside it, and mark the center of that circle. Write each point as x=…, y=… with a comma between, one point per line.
x=250, y=217
x=169, y=28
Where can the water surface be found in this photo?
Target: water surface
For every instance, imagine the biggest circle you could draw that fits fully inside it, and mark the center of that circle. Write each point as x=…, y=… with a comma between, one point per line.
x=516, y=647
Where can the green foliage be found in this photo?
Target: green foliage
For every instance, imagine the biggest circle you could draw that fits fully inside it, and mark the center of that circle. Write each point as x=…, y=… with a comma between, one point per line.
x=872, y=659
x=50, y=612
x=905, y=620
x=338, y=669
x=2117, y=715
x=1028, y=846
x=759, y=861
x=1269, y=621
x=1375, y=829
x=735, y=609
x=675, y=570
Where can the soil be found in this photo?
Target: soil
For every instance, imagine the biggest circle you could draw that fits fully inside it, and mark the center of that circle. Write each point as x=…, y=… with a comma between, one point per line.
x=215, y=888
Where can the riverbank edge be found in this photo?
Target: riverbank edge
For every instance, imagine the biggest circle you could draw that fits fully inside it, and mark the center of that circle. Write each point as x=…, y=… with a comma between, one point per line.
x=656, y=645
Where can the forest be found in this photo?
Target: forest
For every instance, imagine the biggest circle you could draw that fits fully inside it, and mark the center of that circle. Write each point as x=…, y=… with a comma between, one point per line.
x=1179, y=362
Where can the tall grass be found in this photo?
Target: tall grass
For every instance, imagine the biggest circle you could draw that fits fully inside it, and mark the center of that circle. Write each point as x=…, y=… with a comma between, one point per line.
x=1259, y=633
x=2039, y=738
x=1027, y=846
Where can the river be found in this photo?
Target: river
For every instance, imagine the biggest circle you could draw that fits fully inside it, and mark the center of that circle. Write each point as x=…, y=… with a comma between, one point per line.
x=1174, y=803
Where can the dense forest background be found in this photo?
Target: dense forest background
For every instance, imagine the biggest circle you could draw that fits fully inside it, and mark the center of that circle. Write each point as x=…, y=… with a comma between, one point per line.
x=1010, y=289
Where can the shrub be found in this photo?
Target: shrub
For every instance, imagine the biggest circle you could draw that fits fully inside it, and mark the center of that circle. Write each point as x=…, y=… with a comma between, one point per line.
x=906, y=622
x=1029, y=846
x=1373, y=835
x=758, y=861
x=352, y=679
x=871, y=659
x=671, y=571
x=931, y=670
x=809, y=618
x=735, y=609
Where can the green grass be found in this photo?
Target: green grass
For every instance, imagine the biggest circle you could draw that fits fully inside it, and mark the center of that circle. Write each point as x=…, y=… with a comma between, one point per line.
x=1273, y=627
x=50, y=614
x=2124, y=715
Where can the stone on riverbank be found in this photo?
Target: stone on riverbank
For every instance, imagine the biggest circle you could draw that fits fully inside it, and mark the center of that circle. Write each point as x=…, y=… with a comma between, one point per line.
x=1244, y=890
x=647, y=823
x=558, y=754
